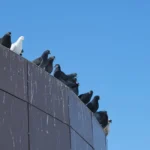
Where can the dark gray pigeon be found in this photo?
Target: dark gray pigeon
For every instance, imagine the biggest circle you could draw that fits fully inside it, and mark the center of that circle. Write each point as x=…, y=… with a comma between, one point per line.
x=86, y=97
x=40, y=61
x=102, y=118
x=61, y=75
x=6, y=40
x=49, y=66
x=94, y=105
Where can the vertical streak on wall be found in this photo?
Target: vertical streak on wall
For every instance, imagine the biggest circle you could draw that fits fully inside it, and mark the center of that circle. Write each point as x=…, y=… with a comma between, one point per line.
x=28, y=109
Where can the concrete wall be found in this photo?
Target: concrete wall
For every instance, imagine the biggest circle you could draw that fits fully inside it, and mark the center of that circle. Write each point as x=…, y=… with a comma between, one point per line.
x=38, y=112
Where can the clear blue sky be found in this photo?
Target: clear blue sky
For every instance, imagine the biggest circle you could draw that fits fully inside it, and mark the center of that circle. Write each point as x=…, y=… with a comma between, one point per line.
x=106, y=42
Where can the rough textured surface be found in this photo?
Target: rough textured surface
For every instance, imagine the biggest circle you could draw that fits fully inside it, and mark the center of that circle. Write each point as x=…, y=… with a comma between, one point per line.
x=47, y=132
x=13, y=73
x=98, y=136
x=13, y=123
x=38, y=112
x=47, y=93
x=77, y=143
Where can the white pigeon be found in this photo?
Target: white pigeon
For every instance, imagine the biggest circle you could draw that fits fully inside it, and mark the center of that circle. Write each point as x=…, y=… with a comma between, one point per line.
x=17, y=46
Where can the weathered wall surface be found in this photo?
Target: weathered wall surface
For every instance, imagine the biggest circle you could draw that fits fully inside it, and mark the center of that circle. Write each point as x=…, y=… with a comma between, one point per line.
x=38, y=112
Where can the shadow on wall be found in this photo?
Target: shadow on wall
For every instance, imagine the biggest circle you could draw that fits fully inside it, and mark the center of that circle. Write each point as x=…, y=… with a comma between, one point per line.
x=38, y=112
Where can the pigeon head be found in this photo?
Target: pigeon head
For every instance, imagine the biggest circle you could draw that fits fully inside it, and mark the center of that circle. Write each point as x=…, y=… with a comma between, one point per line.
x=52, y=58
x=7, y=36
x=57, y=66
x=46, y=53
x=8, y=33
x=21, y=38
x=91, y=92
x=97, y=97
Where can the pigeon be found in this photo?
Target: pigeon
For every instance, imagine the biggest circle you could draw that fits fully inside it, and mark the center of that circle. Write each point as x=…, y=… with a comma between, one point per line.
x=75, y=88
x=49, y=66
x=61, y=75
x=102, y=118
x=86, y=97
x=42, y=59
x=17, y=46
x=107, y=128
x=6, y=40
x=93, y=105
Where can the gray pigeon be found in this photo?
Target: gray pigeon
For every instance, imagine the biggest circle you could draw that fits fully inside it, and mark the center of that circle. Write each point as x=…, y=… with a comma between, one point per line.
x=94, y=105
x=41, y=61
x=61, y=75
x=6, y=40
x=86, y=97
x=49, y=66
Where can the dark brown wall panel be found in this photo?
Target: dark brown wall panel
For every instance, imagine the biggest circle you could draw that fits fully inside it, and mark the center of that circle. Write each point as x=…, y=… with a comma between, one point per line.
x=47, y=93
x=13, y=73
x=47, y=133
x=13, y=123
x=80, y=118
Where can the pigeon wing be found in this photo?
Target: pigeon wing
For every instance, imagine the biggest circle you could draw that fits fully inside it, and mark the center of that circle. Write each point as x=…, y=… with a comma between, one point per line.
x=37, y=61
x=49, y=68
x=13, y=47
x=18, y=48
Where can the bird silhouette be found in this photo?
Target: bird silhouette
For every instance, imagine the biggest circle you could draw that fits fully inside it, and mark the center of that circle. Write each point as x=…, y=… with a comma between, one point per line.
x=102, y=118
x=59, y=74
x=6, y=40
x=86, y=97
x=17, y=46
x=94, y=105
x=43, y=59
x=49, y=66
